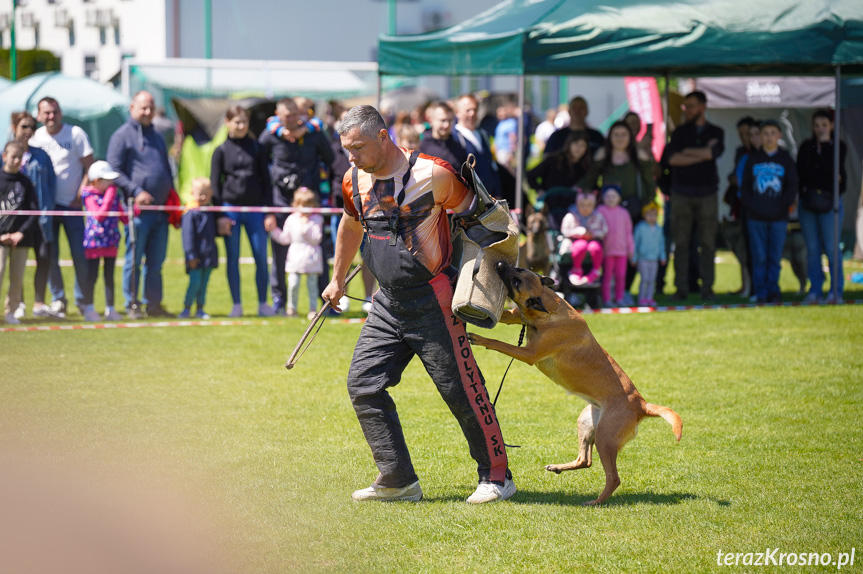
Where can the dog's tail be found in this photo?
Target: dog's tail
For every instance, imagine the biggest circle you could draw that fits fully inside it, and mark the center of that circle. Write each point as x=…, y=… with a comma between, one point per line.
x=669, y=415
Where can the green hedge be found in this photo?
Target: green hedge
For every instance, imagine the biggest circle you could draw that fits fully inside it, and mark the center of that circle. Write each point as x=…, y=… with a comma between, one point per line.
x=29, y=62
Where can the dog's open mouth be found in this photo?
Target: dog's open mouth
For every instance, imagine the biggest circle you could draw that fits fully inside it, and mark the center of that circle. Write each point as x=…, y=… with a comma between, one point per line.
x=509, y=277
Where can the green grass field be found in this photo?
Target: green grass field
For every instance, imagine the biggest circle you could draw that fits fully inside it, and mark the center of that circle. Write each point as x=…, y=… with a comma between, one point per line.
x=771, y=456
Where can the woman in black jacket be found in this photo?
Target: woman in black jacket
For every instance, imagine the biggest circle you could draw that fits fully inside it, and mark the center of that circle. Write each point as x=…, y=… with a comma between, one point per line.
x=564, y=168
x=817, y=220
x=240, y=177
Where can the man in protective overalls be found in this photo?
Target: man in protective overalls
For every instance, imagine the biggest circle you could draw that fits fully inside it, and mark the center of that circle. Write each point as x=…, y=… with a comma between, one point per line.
x=396, y=204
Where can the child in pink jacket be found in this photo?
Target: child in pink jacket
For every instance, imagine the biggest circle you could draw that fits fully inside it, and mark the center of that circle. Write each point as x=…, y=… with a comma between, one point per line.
x=101, y=236
x=303, y=233
x=586, y=228
x=618, y=246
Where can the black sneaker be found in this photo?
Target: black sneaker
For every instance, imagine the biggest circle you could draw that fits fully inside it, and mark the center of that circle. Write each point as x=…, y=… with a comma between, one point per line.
x=158, y=311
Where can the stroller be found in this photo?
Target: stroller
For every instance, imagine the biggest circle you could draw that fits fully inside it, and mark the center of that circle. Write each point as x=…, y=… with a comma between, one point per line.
x=555, y=203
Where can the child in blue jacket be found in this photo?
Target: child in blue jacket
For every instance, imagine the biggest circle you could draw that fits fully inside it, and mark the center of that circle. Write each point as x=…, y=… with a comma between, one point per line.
x=199, y=243
x=649, y=253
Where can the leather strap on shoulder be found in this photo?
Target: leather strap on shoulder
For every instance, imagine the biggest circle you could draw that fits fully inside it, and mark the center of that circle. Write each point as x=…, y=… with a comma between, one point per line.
x=358, y=202
x=411, y=161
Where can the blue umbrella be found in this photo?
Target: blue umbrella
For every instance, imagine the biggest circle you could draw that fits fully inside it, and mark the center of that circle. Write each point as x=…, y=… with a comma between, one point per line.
x=97, y=108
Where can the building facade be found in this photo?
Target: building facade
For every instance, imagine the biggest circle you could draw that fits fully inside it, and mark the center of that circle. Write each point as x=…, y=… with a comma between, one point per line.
x=93, y=36
x=90, y=36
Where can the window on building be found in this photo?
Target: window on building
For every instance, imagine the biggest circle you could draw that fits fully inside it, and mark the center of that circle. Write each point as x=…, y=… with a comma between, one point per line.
x=36, y=35
x=71, y=34
x=90, y=69
x=103, y=36
x=117, y=33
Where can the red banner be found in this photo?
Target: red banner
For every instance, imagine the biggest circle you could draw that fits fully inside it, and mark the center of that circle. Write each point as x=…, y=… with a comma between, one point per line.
x=644, y=100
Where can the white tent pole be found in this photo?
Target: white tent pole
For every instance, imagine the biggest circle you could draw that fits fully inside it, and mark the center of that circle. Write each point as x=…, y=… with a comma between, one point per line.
x=519, y=162
x=837, y=254
x=380, y=91
x=125, y=78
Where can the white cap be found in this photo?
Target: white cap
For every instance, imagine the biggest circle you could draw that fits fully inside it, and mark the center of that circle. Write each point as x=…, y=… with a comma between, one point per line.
x=101, y=170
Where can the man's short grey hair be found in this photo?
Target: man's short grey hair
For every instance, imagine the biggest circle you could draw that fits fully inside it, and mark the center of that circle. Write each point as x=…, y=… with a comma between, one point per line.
x=367, y=118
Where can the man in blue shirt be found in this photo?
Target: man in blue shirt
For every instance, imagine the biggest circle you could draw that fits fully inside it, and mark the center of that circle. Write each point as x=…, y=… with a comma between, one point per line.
x=138, y=153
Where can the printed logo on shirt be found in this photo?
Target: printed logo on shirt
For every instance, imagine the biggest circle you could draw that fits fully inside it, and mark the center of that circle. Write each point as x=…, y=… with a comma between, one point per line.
x=13, y=198
x=768, y=178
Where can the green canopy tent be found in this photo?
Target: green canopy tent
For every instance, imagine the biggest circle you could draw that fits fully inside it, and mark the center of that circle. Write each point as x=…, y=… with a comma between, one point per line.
x=640, y=37
x=97, y=108
x=637, y=37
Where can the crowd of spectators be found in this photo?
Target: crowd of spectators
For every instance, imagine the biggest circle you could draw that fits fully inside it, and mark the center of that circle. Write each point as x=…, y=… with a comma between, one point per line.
x=615, y=194
x=776, y=206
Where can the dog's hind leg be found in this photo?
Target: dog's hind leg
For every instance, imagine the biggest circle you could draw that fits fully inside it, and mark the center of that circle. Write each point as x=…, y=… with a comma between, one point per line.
x=607, y=450
x=615, y=429
x=587, y=422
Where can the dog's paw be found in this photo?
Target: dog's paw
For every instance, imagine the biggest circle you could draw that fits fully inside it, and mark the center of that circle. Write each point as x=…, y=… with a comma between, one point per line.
x=475, y=339
x=553, y=468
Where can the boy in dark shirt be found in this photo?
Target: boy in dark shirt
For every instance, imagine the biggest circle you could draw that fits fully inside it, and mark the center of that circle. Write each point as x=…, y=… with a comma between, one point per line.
x=768, y=191
x=16, y=231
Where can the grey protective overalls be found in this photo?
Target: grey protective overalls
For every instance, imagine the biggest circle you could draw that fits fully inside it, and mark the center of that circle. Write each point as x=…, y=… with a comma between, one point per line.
x=411, y=316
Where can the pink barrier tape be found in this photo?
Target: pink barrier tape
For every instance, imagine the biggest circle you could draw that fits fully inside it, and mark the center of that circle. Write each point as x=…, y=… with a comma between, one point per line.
x=213, y=208
x=218, y=209
x=637, y=310
x=360, y=320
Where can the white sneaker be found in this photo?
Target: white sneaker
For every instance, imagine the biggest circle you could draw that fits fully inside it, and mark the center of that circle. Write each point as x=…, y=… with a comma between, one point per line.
x=111, y=314
x=91, y=316
x=367, y=307
x=11, y=320
x=58, y=309
x=411, y=492
x=491, y=492
x=133, y=314
x=265, y=310
x=21, y=311
x=236, y=311
x=42, y=311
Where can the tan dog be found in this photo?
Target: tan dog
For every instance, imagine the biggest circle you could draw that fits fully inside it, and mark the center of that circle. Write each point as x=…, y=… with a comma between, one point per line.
x=535, y=254
x=560, y=344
